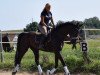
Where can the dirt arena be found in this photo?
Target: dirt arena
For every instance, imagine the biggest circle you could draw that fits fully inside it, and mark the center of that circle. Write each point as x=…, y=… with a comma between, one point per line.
x=27, y=73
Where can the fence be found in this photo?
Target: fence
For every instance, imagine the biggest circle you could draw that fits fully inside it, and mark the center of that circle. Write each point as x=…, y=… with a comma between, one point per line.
x=1, y=47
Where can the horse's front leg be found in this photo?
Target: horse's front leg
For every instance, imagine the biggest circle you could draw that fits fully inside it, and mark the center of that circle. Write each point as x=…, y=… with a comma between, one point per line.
x=63, y=63
x=36, y=53
x=51, y=72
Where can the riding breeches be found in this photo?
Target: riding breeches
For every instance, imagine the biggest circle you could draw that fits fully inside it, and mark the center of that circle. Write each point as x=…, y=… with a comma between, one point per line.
x=43, y=29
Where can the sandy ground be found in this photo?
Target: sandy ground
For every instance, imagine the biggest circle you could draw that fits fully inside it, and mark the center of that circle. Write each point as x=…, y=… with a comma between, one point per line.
x=27, y=73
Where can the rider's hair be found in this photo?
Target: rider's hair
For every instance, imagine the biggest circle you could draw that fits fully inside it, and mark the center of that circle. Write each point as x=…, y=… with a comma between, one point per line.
x=47, y=5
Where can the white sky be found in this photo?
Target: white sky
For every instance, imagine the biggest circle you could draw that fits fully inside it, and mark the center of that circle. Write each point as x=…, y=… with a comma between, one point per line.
x=16, y=14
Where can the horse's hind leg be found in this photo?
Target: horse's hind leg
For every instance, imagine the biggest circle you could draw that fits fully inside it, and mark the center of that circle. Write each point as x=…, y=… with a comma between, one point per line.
x=19, y=54
x=36, y=54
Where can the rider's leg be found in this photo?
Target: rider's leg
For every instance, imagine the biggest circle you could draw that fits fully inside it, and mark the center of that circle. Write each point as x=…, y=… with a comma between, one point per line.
x=43, y=30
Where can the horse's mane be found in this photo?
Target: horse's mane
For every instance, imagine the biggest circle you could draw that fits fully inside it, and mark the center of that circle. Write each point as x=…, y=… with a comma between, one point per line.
x=69, y=23
x=58, y=26
x=74, y=24
x=63, y=24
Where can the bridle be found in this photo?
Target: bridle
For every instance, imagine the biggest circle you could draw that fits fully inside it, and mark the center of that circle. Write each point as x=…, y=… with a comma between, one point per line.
x=72, y=37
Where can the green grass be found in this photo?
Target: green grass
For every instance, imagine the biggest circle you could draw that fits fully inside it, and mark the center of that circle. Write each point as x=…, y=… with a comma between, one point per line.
x=73, y=59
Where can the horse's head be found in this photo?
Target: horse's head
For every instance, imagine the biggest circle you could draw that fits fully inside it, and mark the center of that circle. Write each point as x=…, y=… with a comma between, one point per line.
x=75, y=29
x=62, y=30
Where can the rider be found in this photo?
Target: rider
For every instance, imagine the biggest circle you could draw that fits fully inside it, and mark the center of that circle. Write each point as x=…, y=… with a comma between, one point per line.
x=46, y=17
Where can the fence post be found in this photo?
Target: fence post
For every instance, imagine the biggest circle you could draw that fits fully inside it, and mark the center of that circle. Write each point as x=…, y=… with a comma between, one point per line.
x=84, y=47
x=85, y=33
x=1, y=48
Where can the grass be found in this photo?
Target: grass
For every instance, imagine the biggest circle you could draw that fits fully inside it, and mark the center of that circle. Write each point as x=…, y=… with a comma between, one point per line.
x=73, y=59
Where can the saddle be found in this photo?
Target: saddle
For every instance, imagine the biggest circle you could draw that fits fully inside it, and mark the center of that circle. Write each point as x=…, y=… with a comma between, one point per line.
x=40, y=38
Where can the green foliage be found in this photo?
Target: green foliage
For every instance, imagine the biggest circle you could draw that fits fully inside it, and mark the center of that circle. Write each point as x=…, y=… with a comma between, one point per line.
x=92, y=23
x=31, y=27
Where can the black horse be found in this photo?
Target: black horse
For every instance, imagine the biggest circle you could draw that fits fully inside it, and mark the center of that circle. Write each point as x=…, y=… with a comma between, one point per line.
x=6, y=46
x=53, y=43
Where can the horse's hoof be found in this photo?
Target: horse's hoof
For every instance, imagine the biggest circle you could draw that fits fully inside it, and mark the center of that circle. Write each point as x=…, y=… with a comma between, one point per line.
x=13, y=73
x=67, y=74
x=40, y=73
x=48, y=72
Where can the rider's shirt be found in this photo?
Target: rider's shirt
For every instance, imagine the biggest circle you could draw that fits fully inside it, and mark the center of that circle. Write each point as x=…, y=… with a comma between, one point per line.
x=47, y=17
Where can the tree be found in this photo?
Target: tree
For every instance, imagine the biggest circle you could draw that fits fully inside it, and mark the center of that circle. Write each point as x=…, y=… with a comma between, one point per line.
x=31, y=27
x=92, y=23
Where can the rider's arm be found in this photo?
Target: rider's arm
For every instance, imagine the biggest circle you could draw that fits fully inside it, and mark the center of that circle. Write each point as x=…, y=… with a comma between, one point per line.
x=42, y=21
x=52, y=22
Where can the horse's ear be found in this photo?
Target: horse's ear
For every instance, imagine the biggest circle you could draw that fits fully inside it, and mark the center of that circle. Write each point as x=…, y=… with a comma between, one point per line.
x=80, y=24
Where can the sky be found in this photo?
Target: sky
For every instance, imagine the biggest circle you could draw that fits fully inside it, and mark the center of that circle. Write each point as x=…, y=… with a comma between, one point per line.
x=16, y=14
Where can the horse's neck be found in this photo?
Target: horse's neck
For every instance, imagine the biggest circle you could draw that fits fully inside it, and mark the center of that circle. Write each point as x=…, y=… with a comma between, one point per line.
x=58, y=35
x=63, y=33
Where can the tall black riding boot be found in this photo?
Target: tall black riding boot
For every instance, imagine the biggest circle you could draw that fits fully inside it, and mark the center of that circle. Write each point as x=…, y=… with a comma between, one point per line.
x=43, y=38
